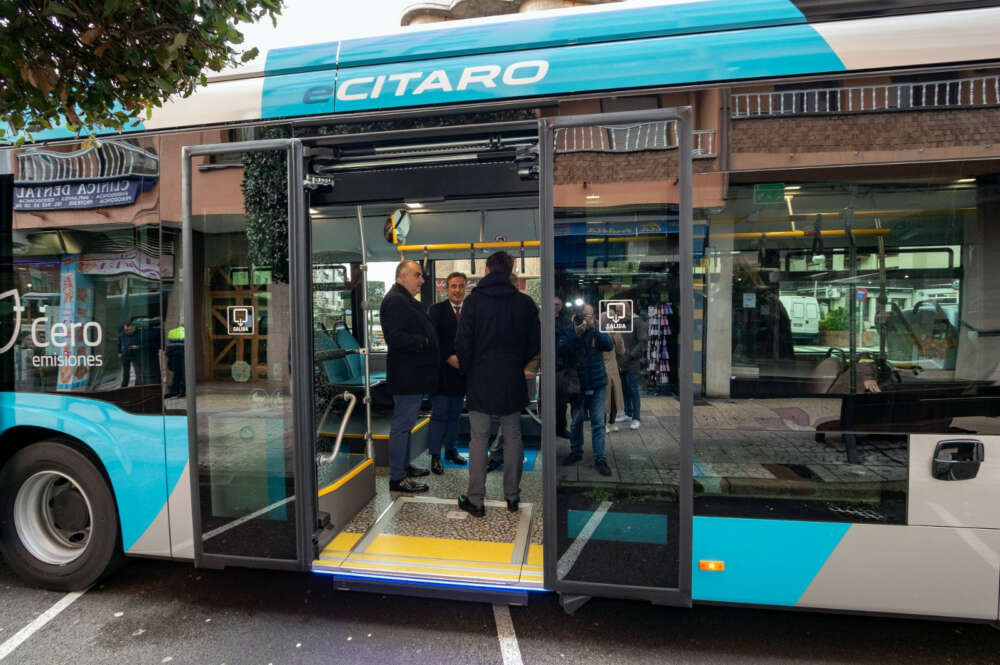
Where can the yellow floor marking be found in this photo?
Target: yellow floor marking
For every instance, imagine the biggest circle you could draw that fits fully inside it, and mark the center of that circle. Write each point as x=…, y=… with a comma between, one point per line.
x=451, y=562
x=535, y=555
x=343, y=543
x=441, y=548
x=434, y=573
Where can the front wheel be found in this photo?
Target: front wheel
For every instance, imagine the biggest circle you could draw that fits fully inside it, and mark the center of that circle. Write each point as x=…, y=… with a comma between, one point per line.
x=58, y=521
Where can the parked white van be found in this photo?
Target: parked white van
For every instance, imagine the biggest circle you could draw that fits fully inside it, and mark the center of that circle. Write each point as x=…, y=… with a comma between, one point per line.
x=803, y=311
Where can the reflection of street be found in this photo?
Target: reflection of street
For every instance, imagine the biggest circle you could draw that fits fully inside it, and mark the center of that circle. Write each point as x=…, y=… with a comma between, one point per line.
x=750, y=448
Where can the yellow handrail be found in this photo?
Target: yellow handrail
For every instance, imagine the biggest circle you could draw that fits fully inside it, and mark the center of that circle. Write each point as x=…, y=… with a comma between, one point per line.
x=826, y=233
x=467, y=245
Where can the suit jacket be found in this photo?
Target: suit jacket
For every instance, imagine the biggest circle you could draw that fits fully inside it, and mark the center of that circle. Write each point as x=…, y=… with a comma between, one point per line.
x=450, y=380
x=412, y=363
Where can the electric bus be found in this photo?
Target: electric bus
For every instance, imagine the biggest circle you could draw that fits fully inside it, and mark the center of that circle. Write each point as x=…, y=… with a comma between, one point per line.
x=193, y=367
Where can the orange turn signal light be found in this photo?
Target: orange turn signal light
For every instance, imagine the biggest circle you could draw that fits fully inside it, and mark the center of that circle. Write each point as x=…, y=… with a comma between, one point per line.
x=711, y=565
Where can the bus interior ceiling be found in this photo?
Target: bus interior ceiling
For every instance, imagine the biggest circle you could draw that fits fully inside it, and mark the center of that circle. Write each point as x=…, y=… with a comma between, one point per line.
x=455, y=198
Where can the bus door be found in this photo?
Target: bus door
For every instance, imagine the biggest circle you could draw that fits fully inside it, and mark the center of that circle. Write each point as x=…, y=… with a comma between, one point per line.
x=246, y=313
x=618, y=259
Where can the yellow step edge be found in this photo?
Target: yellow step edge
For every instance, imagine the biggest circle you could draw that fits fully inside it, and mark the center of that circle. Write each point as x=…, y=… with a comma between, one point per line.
x=452, y=562
x=441, y=548
x=343, y=543
x=535, y=555
x=346, y=477
x=432, y=573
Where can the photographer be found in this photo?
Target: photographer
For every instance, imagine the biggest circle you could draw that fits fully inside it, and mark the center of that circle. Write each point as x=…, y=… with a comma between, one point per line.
x=587, y=347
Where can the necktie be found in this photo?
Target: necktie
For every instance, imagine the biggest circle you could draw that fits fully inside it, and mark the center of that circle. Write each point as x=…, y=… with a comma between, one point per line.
x=456, y=313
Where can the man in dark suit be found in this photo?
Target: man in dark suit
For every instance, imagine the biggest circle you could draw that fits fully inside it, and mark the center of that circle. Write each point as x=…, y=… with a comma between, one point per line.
x=498, y=335
x=411, y=369
x=446, y=405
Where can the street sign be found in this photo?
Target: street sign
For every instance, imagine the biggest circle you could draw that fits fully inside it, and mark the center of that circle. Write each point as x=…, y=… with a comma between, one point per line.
x=769, y=193
x=861, y=295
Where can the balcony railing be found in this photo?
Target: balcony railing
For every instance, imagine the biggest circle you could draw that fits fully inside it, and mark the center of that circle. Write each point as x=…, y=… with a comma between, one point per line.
x=108, y=160
x=930, y=95
x=631, y=138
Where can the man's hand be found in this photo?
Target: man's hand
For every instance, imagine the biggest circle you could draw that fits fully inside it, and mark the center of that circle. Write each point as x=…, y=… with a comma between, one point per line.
x=529, y=375
x=452, y=360
x=871, y=386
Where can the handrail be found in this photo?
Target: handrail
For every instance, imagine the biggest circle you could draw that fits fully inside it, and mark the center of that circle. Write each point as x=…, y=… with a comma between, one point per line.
x=826, y=233
x=467, y=245
x=351, y=399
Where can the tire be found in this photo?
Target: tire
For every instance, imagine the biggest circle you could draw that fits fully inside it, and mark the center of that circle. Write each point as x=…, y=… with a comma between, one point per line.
x=58, y=521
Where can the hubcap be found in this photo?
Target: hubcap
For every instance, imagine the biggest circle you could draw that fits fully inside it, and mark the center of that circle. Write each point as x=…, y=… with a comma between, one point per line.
x=53, y=518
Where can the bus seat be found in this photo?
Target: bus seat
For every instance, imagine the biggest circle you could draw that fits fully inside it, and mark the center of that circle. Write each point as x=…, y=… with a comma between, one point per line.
x=355, y=362
x=337, y=370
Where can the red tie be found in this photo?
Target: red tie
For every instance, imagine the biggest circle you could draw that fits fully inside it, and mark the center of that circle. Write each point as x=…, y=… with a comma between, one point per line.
x=456, y=313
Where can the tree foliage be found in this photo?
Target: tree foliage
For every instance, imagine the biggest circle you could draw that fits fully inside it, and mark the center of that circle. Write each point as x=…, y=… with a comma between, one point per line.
x=265, y=202
x=106, y=63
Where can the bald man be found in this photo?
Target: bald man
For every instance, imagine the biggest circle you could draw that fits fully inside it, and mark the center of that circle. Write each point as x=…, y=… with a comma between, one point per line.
x=411, y=370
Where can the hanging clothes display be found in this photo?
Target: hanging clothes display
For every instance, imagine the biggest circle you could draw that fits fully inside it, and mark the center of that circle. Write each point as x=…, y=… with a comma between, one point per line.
x=657, y=353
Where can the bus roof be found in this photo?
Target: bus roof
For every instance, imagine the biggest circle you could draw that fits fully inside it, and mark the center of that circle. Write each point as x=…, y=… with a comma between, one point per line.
x=667, y=42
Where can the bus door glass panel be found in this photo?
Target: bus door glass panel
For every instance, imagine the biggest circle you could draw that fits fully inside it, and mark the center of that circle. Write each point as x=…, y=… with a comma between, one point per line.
x=237, y=324
x=620, y=518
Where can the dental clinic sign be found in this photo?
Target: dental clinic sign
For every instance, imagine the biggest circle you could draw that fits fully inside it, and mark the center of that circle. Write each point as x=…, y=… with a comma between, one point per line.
x=113, y=173
x=78, y=195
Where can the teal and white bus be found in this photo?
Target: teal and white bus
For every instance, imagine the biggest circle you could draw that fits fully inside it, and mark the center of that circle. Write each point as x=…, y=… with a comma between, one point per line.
x=193, y=367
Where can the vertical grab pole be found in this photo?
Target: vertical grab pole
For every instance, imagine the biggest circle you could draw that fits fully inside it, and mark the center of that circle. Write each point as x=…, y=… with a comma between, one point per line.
x=369, y=447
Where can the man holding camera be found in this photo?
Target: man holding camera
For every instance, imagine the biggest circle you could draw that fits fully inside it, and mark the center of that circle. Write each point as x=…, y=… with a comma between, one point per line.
x=587, y=346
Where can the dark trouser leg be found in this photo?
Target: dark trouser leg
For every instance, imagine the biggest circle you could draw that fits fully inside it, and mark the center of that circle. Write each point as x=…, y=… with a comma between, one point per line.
x=439, y=424
x=126, y=367
x=404, y=416
x=451, y=427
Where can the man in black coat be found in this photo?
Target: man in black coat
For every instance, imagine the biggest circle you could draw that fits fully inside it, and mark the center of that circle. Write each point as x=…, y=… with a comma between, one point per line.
x=446, y=405
x=498, y=334
x=411, y=369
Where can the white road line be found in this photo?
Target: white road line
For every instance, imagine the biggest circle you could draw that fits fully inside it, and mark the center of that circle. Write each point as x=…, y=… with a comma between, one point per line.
x=568, y=558
x=505, y=633
x=246, y=518
x=22, y=635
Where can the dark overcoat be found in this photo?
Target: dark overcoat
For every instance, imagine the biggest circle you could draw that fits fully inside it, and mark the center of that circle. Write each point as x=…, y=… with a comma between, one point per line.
x=450, y=380
x=412, y=364
x=498, y=333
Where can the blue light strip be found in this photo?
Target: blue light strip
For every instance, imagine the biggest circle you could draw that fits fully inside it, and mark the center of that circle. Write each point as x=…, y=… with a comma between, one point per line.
x=416, y=581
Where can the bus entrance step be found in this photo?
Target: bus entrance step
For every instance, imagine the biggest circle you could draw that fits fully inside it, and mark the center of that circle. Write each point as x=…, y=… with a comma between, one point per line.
x=471, y=593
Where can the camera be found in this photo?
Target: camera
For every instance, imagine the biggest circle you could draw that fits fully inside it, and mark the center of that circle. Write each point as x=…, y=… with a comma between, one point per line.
x=577, y=319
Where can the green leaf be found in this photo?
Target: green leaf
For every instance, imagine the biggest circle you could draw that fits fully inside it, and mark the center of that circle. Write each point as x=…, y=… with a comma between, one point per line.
x=62, y=10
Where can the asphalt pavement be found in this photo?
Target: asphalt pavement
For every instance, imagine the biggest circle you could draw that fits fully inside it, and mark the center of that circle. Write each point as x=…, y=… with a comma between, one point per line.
x=160, y=612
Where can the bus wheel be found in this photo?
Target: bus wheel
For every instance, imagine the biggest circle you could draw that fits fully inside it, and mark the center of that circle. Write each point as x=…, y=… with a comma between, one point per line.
x=58, y=522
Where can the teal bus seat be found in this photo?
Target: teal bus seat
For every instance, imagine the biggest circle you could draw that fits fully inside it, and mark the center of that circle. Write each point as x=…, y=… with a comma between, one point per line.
x=346, y=340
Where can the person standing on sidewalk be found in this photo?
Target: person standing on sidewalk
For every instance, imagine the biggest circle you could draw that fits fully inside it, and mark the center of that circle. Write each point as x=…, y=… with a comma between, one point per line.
x=589, y=345
x=411, y=369
x=498, y=334
x=630, y=364
x=446, y=405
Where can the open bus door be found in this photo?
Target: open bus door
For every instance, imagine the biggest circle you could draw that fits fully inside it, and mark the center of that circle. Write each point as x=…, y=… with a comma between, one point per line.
x=246, y=324
x=616, y=198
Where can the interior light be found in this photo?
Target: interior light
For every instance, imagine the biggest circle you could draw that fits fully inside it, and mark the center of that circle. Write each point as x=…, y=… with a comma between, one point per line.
x=578, y=302
x=792, y=188
x=413, y=205
x=313, y=211
x=966, y=180
x=593, y=197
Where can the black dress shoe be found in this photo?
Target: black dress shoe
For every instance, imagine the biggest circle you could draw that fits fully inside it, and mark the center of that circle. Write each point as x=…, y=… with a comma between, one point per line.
x=436, y=467
x=406, y=485
x=471, y=508
x=512, y=505
x=416, y=472
x=453, y=457
x=572, y=458
x=562, y=433
x=493, y=464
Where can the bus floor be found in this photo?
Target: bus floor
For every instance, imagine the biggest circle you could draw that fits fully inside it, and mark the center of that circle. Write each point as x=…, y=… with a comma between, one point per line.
x=427, y=537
